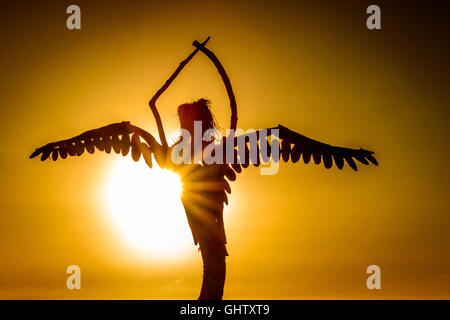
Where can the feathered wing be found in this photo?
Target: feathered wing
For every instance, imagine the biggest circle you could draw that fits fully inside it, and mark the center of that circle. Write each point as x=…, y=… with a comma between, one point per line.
x=293, y=146
x=120, y=137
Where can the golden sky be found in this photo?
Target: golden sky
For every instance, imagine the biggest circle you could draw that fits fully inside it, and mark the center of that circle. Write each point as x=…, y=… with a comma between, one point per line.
x=306, y=232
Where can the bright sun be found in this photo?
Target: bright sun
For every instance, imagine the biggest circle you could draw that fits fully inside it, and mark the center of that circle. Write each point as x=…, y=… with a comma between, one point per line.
x=145, y=206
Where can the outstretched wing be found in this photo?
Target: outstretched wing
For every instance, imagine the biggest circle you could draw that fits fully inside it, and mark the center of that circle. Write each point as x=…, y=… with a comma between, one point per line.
x=293, y=146
x=120, y=137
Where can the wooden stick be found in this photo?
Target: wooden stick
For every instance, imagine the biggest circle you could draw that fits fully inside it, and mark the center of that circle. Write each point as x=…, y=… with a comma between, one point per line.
x=225, y=79
x=152, y=102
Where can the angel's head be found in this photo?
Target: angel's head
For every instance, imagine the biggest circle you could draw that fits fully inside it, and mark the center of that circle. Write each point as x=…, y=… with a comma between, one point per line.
x=198, y=110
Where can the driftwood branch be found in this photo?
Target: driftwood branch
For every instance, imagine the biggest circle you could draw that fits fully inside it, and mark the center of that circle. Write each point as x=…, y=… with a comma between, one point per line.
x=152, y=102
x=225, y=79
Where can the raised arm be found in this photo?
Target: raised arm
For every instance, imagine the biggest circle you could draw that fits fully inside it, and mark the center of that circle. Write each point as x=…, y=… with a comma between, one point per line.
x=225, y=79
x=152, y=102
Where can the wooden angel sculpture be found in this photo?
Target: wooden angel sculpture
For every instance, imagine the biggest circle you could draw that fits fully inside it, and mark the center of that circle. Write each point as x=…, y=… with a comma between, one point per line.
x=205, y=186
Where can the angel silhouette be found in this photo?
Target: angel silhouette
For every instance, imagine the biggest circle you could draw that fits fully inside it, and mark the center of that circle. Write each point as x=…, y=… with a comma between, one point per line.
x=205, y=186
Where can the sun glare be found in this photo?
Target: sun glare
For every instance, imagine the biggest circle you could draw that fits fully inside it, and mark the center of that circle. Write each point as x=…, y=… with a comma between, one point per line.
x=145, y=206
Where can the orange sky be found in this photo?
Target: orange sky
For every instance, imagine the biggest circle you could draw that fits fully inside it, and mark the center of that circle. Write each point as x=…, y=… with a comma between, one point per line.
x=306, y=232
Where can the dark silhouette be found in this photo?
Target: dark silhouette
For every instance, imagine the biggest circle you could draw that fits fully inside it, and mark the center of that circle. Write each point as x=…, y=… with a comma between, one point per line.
x=205, y=187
